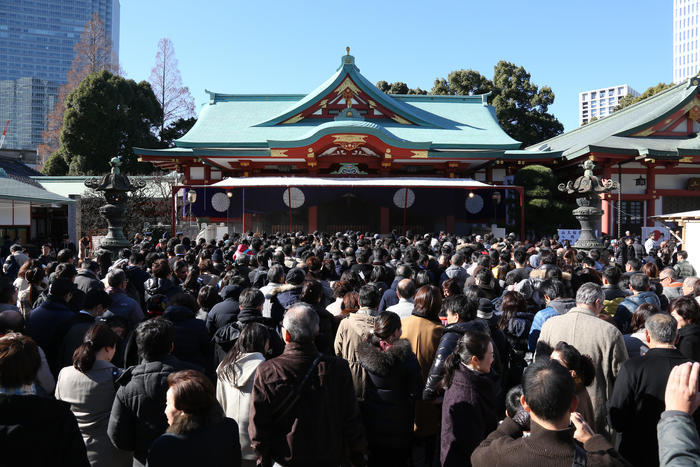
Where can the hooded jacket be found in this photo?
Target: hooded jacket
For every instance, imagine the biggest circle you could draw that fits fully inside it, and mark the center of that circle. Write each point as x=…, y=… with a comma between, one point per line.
x=159, y=286
x=221, y=314
x=138, y=411
x=285, y=295
x=555, y=307
x=392, y=387
x=234, y=397
x=448, y=342
x=455, y=272
x=86, y=280
x=627, y=307
x=225, y=337
x=351, y=332
x=47, y=325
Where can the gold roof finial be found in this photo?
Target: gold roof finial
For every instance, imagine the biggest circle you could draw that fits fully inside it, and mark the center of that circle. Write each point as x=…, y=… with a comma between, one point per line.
x=347, y=49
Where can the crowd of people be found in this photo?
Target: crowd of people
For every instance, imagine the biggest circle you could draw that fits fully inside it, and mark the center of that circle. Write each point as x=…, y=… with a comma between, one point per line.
x=349, y=349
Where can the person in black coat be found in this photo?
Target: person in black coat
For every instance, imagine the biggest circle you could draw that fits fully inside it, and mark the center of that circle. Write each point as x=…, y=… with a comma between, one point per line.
x=137, y=416
x=638, y=396
x=389, y=298
x=161, y=283
x=469, y=409
x=192, y=343
x=96, y=302
x=288, y=294
x=225, y=312
x=686, y=311
x=49, y=323
x=251, y=301
x=34, y=431
x=198, y=433
x=87, y=279
x=391, y=389
x=461, y=313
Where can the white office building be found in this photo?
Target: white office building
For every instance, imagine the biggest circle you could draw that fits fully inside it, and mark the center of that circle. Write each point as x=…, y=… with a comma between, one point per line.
x=600, y=102
x=685, y=39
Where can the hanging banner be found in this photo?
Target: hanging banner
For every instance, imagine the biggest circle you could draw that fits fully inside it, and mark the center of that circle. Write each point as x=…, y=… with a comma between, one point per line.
x=571, y=235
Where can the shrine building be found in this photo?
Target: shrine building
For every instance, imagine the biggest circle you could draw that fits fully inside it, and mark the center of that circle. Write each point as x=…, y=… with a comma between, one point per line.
x=346, y=156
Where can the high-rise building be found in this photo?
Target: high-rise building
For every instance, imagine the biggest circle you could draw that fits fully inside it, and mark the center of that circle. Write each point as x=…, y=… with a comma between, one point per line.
x=37, y=40
x=686, y=42
x=600, y=102
x=26, y=102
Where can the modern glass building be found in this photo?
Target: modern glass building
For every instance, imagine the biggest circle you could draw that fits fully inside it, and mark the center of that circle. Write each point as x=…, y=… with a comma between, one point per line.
x=37, y=38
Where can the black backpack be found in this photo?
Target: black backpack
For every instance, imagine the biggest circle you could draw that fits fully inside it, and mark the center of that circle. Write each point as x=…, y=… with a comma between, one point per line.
x=10, y=267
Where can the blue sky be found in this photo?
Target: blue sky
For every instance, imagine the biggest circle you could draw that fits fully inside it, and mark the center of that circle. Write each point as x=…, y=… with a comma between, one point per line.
x=292, y=46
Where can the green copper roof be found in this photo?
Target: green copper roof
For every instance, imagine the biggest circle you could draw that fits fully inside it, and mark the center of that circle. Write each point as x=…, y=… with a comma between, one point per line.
x=233, y=121
x=15, y=190
x=613, y=133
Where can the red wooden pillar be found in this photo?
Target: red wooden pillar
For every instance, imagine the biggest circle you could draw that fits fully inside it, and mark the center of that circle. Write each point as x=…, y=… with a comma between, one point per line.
x=173, y=209
x=384, y=220
x=313, y=218
x=651, y=189
x=247, y=221
x=606, y=206
x=450, y=224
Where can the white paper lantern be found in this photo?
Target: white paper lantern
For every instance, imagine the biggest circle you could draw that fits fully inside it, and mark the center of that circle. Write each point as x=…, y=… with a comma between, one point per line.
x=293, y=197
x=404, y=199
x=220, y=202
x=474, y=204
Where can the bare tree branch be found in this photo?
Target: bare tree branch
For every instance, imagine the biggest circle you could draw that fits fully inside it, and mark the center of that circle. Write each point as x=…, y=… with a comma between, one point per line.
x=166, y=82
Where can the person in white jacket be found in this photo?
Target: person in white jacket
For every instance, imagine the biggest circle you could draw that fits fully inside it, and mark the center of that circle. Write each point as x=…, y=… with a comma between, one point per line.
x=235, y=377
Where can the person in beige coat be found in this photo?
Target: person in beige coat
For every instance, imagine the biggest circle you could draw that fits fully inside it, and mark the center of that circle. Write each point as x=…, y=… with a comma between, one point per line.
x=235, y=377
x=88, y=386
x=603, y=342
x=353, y=330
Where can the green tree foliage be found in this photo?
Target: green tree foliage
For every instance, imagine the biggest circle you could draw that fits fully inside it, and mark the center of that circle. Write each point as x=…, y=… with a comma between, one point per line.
x=521, y=106
x=55, y=164
x=398, y=88
x=175, y=130
x=629, y=99
x=544, y=209
x=106, y=116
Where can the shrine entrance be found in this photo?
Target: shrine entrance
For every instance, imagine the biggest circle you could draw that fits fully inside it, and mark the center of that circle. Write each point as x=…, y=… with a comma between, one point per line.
x=348, y=211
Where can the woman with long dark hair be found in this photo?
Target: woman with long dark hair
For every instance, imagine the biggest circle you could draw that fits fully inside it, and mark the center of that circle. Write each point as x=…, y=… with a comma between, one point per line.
x=469, y=409
x=391, y=389
x=27, y=297
x=198, y=432
x=89, y=387
x=515, y=321
x=235, y=376
x=582, y=371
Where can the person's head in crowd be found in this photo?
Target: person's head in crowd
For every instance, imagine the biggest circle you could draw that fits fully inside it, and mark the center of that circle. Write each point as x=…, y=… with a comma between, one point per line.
x=184, y=300
x=161, y=269
x=61, y=290
x=254, y=337
x=350, y=303
x=547, y=256
x=300, y=324
x=369, y=297
x=422, y=278
x=387, y=329
x=551, y=289
x=580, y=366
x=191, y=402
x=295, y=276
x=661, y=330
x=667, y=276
x=633, y=265
x=548, y=393
x=686, y=311
x=641, y=315
x=651, y=270
x=682, y=255
x=11, y=321
x=639, y=282
x=689, y=285
x=406, y=289
x=46, y=249
x=65, y=271
x=65, y=256
x=137, y=259
x=520, y=257
x=513, y=303
x=154, y=339
x=96, y=302
x=8, y=292
x=474, y=350
x=459, y=308
x=450, y=288
x=427, y=302
x=311, y=292
x=99, y=343
x=513, y=404
x=116, y=278
x=275, y=274
x=251, y=299
x=207, y=297
x=590, y=296
x=19, y=361
x=181, y=269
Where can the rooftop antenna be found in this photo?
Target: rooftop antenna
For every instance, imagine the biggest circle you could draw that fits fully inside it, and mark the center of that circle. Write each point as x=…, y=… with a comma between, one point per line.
x=347, y=49
x=4, y=133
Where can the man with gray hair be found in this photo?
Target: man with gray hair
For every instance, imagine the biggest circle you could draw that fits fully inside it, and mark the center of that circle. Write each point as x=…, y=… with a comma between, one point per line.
x=689, y=285
x=592, y=336
x=669, y=280
x=638, y=398
x=303, y=409
x=122, y=305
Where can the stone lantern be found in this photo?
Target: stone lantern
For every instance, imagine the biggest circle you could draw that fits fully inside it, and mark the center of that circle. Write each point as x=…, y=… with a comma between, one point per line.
x=587, y=189
x=115, y=187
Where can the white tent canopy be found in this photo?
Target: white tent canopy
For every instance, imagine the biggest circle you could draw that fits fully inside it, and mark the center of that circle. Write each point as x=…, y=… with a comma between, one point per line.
x=413, y=182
